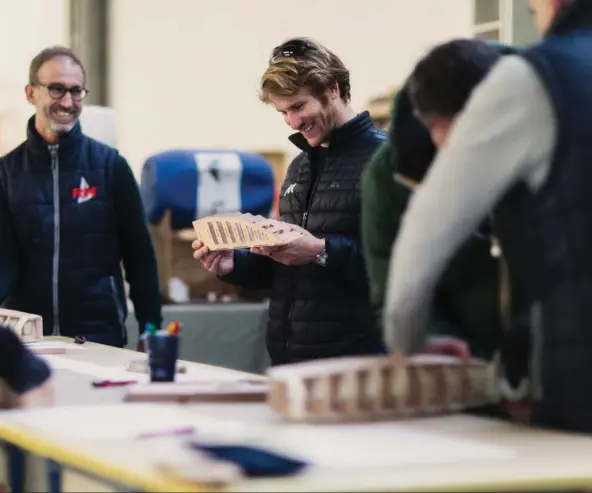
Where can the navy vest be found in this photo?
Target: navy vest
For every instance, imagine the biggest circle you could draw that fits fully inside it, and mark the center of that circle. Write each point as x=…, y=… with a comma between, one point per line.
x=547, y=237
x=61, y=202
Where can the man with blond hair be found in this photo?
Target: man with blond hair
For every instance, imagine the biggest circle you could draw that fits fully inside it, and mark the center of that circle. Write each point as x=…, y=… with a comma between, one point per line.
x=319, y=294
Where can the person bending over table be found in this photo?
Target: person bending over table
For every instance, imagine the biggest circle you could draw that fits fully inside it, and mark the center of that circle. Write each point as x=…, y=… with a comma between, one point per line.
x=528, y=161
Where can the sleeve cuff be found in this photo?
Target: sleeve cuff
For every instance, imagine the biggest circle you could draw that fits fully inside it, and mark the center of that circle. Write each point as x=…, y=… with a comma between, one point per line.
x=514, y=394
x=33, y=372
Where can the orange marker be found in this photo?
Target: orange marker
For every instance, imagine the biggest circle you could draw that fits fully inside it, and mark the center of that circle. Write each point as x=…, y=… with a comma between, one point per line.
x=172, y=329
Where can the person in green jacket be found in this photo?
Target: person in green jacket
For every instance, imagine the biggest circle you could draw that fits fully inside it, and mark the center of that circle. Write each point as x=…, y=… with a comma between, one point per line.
x=467, y=302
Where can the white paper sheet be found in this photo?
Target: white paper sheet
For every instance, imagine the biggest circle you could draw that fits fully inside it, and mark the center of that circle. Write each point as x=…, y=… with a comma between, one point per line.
x=194, y=374
x=59, y=362
x=127, y=421
x=379, y=445
x=56, y=344
x=339, y=447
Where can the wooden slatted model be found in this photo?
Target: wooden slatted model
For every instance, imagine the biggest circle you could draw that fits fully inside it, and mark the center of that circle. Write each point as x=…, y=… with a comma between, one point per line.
x=367, y=388
x=236, y=230
x=28, y=327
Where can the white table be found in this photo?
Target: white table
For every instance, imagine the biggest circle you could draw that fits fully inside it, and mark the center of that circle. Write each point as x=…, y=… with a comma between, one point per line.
x=90, y=439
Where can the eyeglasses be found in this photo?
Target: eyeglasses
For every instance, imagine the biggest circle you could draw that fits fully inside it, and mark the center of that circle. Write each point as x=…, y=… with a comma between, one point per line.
x=58, y=91
x=290, y=49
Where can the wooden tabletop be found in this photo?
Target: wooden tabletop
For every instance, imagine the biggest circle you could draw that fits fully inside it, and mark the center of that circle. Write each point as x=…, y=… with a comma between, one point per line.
x=94, y=431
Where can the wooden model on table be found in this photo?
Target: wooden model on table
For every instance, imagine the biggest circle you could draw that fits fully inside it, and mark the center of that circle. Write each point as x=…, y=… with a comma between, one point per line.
x=236, y=230
x=354, y=388
x=29, y=327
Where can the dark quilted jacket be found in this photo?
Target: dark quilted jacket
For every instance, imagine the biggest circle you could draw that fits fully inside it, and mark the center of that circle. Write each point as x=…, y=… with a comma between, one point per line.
x=320, y=312
x=547, y=236
x=67, y=223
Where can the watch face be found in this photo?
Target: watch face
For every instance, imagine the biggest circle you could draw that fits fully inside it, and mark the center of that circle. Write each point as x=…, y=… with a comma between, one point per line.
x=322, y=259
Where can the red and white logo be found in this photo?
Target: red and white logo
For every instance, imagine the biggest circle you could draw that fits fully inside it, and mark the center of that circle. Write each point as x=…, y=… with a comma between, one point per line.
x=84, y=193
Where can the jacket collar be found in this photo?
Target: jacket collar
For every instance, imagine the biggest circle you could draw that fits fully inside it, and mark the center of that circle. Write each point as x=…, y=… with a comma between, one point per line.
x=339, y=136
x=66, y=143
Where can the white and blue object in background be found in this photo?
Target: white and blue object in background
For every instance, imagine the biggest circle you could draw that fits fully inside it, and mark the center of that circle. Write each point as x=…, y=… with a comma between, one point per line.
x=198, y=183
x=98, y=122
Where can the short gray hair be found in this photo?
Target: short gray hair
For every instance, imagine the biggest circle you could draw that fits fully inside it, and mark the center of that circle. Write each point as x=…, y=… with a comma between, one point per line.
x=49, y=54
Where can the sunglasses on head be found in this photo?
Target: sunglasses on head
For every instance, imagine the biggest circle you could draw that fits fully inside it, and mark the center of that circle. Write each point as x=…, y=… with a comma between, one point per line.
x=290, y=49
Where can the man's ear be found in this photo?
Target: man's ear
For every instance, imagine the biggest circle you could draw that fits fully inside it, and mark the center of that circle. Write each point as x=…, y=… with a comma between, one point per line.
x=30, y=94
x=333, y=91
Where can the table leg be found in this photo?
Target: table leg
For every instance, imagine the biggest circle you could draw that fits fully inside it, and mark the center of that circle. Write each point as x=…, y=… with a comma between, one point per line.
x=16, y=467
x=54, y=476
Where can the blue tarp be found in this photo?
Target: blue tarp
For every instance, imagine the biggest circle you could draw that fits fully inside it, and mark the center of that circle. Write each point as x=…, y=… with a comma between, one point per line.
x=197, y=183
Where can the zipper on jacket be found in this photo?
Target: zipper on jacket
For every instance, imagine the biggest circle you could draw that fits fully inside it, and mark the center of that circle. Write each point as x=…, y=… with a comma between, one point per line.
x=53, y=150
x=303, y=224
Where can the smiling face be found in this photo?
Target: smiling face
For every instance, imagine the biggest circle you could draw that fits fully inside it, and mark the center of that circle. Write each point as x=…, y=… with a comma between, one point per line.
x=57, y=96
x=313, y=117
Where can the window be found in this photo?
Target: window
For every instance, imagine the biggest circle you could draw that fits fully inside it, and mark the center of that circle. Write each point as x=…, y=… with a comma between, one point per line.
x=507, y=21
x=491, y=35
x=488, y=19
x=486, y=11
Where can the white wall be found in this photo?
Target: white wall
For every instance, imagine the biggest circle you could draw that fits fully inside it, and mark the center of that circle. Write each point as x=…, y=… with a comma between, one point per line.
x=26, y=27
x=185, y=73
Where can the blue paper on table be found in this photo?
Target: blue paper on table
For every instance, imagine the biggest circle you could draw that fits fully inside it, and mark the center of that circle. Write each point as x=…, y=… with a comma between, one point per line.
x=254, y=461
x=192, y=184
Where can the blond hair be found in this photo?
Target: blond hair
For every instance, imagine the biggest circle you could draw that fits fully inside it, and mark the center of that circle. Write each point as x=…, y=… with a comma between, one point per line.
x=315, y=68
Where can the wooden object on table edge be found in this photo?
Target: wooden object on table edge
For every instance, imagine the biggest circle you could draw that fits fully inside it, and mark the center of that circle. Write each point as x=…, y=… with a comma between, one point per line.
x=200, y=470
x=27, y=326
x=211, y=391
x=371, y=388
x=237, y=230
x=47, y=350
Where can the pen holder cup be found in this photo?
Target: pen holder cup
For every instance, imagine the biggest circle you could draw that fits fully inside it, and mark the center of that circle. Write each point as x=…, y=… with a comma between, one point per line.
x=163, y=352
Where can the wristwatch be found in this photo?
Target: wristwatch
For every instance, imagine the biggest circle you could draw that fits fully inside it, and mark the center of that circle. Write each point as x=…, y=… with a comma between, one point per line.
x=322, y=257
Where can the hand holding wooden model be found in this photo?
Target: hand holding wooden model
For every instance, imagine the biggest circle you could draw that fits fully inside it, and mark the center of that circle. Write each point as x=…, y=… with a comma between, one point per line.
x=219, y=235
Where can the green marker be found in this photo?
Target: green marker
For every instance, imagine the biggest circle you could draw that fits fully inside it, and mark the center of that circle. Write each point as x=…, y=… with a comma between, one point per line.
x=150, y=329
